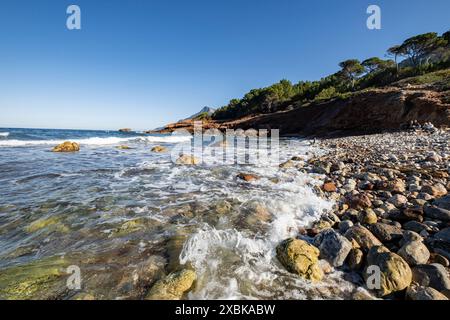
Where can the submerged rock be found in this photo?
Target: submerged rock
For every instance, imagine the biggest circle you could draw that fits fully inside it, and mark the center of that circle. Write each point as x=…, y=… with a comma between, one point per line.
x=247, y=177
x=129, y=227
x=42, y=279
x=159, y=149
x=52, y=223
x=395, y=274
x=288, y=164
x=299, y=257
x=83, y=296
x=124, y=147
x=223, y=207
x=186, y=159
x=67, y=147
x=256, y=215
x=173, y=287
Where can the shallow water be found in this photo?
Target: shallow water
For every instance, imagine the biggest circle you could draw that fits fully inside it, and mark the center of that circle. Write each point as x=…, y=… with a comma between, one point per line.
x=127, y=217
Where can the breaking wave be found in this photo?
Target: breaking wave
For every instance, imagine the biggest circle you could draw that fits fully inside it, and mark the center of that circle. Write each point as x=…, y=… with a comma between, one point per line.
x=95, y=141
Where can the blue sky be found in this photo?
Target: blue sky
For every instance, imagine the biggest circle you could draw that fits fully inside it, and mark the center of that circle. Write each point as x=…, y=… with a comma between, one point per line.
x=142, y=64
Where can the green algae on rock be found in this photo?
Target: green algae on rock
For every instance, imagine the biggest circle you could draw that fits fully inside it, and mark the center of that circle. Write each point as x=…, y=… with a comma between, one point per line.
x=42, y=279
x=129, y=227
x=51, y=223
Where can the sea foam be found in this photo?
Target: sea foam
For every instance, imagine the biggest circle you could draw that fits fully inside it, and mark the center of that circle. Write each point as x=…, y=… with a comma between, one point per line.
x=96, y=141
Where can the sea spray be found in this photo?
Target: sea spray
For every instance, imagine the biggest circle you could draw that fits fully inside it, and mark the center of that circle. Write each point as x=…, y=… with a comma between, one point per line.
x=241, y=264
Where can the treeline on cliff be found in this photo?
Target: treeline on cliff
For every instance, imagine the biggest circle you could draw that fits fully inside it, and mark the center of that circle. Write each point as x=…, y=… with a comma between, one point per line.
x=416, y=56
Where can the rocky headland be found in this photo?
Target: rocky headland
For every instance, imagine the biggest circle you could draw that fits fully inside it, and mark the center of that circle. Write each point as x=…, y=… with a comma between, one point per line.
x=364, y=112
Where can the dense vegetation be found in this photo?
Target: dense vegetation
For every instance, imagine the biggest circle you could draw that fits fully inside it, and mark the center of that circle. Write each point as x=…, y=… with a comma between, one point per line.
x=419, y=55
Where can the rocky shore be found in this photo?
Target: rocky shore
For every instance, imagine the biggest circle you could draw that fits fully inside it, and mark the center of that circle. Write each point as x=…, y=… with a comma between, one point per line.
x=389, y=229
x=392, y=213
x=388, y=232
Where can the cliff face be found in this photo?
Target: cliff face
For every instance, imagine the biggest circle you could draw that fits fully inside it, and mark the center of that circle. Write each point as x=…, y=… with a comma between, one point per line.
x=370, y=111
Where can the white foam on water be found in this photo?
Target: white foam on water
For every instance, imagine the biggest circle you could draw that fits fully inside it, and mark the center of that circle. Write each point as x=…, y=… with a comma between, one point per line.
x=223, y=258
x=88, y=141
x=96, y=141
x=241, y=264
x=168, y=139
x=4, y=134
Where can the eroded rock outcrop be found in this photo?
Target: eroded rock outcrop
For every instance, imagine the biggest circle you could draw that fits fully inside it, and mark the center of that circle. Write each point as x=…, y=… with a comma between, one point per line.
x=67, y=147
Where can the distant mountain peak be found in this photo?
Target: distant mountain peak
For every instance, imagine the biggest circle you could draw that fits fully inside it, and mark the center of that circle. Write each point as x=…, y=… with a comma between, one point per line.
x=208, y=110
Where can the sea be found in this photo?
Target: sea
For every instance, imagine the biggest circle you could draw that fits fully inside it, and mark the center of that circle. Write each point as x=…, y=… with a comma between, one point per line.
x=127, y=217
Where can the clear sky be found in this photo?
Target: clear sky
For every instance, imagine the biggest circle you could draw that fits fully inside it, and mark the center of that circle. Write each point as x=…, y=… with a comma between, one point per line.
x=144, y=63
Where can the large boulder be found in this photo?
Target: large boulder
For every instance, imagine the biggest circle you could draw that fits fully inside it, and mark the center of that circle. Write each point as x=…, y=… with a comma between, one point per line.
x=333, y=247
x=363, y=237
x=173, y=287
x=67, y=147
x=395, y=273
x=299, y=257
x=431, y=275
